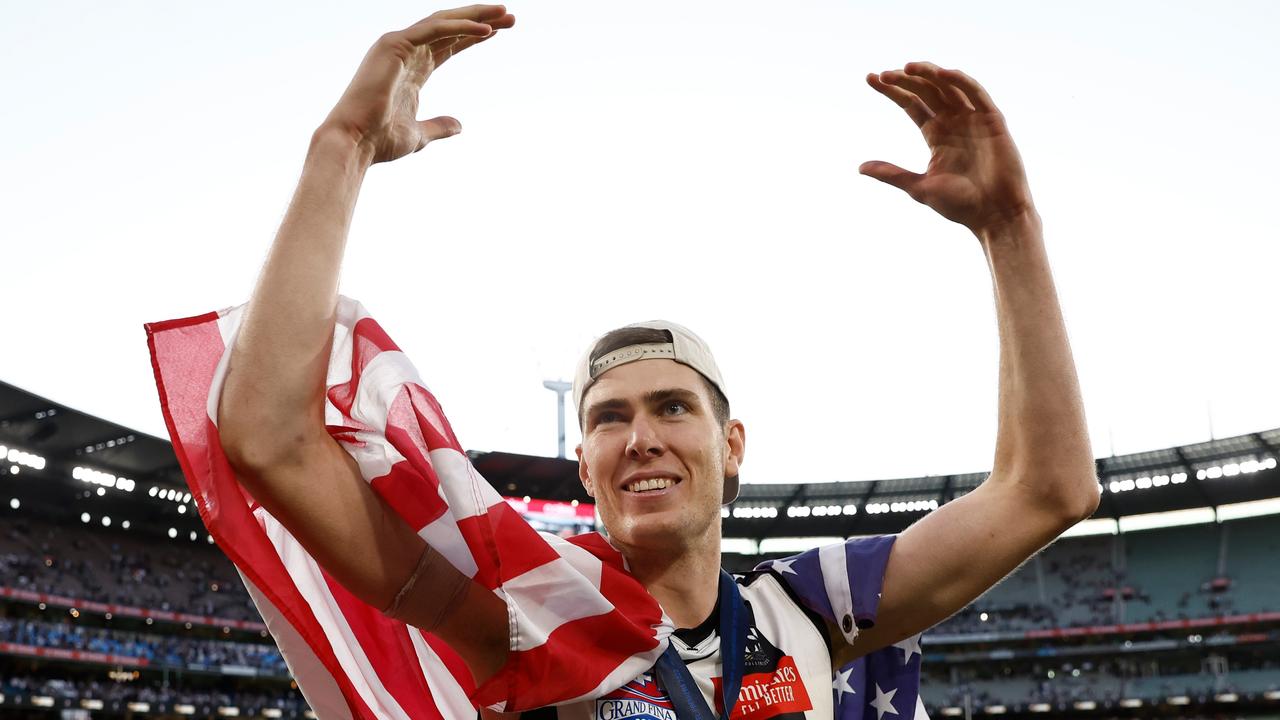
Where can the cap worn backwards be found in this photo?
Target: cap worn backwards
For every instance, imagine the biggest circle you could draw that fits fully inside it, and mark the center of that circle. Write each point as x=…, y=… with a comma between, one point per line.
x=684, y=347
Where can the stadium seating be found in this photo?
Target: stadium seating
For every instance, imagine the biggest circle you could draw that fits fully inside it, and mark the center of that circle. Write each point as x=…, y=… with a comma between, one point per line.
x=113, y=567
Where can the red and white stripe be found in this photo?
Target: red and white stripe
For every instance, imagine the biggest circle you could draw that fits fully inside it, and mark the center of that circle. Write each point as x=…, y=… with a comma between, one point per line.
x=580, y=625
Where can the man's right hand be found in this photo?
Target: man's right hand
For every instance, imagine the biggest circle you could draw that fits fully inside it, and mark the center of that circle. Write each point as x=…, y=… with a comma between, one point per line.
x=271, y=409
x=379, y=110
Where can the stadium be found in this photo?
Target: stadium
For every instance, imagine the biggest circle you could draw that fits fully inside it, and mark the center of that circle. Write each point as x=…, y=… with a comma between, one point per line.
x=114, y=601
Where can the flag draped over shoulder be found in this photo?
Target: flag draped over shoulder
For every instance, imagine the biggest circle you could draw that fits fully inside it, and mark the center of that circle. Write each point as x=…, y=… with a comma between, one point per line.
x=841, y=582
x=580, y=625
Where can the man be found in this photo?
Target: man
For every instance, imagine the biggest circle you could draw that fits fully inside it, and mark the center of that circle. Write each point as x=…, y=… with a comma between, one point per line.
x=659, y=451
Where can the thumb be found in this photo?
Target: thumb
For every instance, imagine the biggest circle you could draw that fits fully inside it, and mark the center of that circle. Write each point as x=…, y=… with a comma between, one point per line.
x=891, y=174
x=437, y=128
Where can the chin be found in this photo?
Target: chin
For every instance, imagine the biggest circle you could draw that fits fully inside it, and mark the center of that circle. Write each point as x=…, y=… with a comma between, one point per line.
x=656, y=531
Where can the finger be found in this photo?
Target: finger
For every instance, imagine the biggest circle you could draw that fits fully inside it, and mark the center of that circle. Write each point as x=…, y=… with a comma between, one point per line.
x=437, y=128
x=501, y=19
x=891, y=174
x=433, y=29
x=914, y=106
x=479, y=13
x=442, y=50
x=925, y=90
x=976, y=93
x=953, y=95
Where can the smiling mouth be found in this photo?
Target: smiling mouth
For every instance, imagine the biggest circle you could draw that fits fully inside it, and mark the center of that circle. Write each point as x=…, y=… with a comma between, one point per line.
x=650, y=485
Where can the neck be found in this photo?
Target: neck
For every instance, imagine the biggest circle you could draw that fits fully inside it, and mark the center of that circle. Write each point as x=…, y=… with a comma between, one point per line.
x=686, y=584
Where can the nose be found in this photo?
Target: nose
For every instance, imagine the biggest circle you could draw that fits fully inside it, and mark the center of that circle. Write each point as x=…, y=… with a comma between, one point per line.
x=644, y=441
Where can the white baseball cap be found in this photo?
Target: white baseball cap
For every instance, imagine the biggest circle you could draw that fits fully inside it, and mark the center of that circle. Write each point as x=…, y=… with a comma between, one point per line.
x=682, y=346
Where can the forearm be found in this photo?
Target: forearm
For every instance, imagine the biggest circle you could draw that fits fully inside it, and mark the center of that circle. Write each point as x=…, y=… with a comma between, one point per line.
x=1042, y=442
x=274, y=390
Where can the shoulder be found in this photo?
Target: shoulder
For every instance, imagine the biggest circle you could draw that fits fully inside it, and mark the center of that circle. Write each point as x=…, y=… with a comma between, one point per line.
x=769, y=594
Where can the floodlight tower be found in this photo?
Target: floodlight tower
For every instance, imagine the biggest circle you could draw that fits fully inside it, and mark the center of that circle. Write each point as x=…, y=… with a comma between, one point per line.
x=559, y=387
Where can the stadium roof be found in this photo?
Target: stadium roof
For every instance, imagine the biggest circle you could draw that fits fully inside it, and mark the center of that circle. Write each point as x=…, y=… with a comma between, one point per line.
x=1207, y=474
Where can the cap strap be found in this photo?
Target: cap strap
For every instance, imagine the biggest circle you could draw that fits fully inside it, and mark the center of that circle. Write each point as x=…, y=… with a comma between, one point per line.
x=631, y=353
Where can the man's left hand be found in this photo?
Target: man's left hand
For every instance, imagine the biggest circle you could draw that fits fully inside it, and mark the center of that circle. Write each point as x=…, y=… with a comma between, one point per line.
x=975, y=175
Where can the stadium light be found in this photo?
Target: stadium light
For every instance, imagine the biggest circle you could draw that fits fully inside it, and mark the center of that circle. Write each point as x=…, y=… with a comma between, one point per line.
x=102, y=479
x=106, y=521
x=1040, y=707
x=194, y=535
x=91, y=704
x=1227, y=697
x=1130, y=703
x=42, y=701
x=1253, y=508
x=1173, y=518
x=84, y=517
x=559, y=387
x=952, y=711
x=182, y=509
x=795, y=544
x=152, y=492
x=1095, y=526
x=996, y=710
x=271, y=712
x=1085, y=705
x=739, y=546
x=229, y=711
x=1247, y=466
x=755, y=512
x=173, y=533
x=125, y=525
x=13, y=503
x=1178, y=700
x=724, y=512
x=139, y=707
x=22, y=457
x=184, y=709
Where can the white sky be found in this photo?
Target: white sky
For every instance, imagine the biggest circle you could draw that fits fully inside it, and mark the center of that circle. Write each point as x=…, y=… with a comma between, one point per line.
x=693, y=161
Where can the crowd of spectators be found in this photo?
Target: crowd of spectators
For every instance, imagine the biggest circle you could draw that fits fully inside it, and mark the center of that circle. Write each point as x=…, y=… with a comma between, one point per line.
x=251, y=703
x=156, y=649
x=1159, y=575
x=1105, y=683
x=110, y=567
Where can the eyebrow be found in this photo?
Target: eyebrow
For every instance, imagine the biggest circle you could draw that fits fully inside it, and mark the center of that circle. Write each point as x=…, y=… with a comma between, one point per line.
x=653, y=397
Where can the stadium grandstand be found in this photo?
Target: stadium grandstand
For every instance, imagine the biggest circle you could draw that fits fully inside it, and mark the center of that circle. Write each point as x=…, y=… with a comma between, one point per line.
x=114, y=602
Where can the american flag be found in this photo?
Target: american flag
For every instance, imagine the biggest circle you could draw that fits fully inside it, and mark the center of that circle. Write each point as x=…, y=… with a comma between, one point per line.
x=841, y=582
x=581, y=625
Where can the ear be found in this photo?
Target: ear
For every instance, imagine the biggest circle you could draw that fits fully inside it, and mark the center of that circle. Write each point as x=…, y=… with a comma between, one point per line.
x=735, y=444
x=584, y=474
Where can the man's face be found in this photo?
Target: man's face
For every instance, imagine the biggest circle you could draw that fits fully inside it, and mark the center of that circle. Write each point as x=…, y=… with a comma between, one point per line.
x=653, y=455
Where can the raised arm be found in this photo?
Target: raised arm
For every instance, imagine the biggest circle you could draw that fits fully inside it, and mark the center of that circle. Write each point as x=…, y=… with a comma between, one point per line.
x=1043, y=479
x=271, y=411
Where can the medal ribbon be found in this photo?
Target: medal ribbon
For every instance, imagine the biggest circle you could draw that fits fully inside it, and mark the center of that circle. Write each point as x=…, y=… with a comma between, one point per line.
x=676, y=678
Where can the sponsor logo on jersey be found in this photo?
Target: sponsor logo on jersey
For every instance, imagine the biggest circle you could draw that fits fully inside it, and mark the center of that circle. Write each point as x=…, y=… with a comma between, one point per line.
x=771, y=690
x=771, y=687
x=640, y=699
